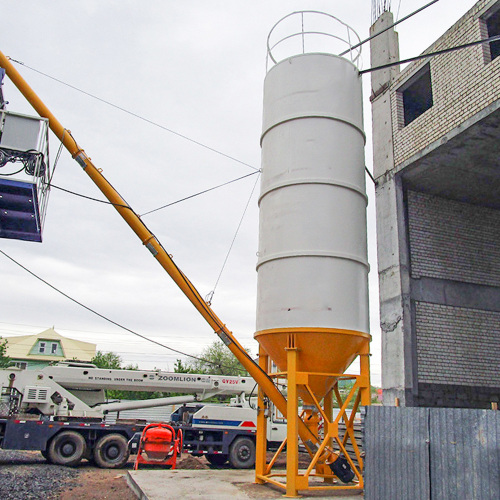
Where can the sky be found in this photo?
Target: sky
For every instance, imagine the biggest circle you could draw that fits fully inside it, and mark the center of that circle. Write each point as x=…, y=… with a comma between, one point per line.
x=196, y=68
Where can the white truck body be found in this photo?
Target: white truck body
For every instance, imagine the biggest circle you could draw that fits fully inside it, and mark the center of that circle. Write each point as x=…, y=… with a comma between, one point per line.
x=63, y=407
x=77, y=389
x=241, y=416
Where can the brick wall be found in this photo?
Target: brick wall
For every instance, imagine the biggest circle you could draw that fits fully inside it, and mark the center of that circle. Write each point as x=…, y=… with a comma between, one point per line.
x=455, y=396
x=466, y=72
x=452, y=240
x=457, y=346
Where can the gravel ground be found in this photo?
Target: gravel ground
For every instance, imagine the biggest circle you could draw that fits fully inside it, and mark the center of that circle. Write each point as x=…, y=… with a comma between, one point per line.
x=26, y=475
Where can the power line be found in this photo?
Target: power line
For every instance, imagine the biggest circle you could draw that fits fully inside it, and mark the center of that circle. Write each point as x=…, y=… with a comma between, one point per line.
x=198, y=194
x=89, y=351
x=147, y=120
x=93, y=311
x=233, y=240
x=399, y=6
x=89, y=334
x=370, y=175
x=211, y=294
x=387, y=28
x=105, y=202
x=432, y=54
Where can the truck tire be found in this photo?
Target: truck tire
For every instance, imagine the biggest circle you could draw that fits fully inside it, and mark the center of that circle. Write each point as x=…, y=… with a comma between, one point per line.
x=242, y=453
x=45, y=454
x=217, y=459
x=66, y=448
x=111, y=452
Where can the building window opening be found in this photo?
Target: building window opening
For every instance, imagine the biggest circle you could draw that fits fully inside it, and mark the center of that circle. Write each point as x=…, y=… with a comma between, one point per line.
x=493, y=27
x=416, y=95
x=41, y=347
x=53, y=348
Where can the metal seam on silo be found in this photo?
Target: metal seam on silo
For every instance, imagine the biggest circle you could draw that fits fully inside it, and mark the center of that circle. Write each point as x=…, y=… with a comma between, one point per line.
x=313, y=115
x=345, y=185
x=311, y=253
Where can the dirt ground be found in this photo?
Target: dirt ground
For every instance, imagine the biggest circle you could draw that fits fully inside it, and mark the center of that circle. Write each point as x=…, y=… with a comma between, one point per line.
x=96, y=484
x=93, y=483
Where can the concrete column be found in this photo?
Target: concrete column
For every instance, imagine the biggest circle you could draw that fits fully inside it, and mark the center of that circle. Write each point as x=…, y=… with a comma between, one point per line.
x=391, y=243
x=384, y=49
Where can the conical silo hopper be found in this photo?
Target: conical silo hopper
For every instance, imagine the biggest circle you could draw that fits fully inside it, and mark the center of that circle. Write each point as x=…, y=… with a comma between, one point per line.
x=312, y=261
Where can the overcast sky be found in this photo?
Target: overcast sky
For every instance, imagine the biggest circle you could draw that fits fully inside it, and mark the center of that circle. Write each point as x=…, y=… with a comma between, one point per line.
x=195, y=67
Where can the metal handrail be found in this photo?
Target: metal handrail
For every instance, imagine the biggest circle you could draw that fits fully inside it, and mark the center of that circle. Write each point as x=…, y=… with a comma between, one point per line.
x=354, y=51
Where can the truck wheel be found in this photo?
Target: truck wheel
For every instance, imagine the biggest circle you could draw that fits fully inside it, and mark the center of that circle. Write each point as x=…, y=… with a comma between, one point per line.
x=111, y=452
x=66, y=448
x=217, y=459
x=242, y=453
x=45, y=454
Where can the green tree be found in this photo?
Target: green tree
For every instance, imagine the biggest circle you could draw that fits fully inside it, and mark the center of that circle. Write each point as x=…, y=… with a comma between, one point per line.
x=109, y=360
x=216, y=359
x=5, y=361
x=180, y=367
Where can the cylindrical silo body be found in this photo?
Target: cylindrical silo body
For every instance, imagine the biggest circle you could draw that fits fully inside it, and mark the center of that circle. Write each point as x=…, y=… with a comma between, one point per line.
x=312, y=261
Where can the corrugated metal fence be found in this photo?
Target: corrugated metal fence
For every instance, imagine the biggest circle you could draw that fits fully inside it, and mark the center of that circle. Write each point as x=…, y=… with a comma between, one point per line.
x=431, y=454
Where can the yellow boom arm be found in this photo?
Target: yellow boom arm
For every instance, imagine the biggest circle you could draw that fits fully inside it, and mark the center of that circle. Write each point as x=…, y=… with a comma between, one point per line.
x=149, y=240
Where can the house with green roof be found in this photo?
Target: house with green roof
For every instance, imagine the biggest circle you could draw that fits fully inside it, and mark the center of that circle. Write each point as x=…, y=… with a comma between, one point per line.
x=37, y=351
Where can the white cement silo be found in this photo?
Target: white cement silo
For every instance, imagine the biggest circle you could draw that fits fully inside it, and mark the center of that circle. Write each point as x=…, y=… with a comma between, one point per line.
x=312, y=261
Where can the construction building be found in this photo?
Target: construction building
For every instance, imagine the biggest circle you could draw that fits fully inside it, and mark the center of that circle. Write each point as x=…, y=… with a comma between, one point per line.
x=436, y=143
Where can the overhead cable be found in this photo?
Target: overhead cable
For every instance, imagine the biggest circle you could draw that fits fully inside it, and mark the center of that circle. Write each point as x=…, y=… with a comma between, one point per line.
x=399, y=6
x=58, y=155
x=147, y=120
x=197, y=194
x=370, y=175
x=387, y=28
x=432, y=54
x=87, y=197
x=211, y=294
x=156, y=209
x=93, y=311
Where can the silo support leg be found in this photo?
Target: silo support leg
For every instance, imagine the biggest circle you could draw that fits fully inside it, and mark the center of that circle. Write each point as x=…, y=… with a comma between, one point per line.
x=261, y=439
x=364, y=379
x=328, y=409
x=292, y=436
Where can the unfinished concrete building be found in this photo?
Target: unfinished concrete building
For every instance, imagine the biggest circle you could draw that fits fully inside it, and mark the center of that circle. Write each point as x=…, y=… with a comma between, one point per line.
x=436, y=135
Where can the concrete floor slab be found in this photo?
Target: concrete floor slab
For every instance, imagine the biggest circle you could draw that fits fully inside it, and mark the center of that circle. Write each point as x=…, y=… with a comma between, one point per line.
x=221, y=484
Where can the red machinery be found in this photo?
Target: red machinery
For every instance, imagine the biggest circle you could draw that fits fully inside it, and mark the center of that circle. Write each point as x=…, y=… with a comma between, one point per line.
x=161, y=443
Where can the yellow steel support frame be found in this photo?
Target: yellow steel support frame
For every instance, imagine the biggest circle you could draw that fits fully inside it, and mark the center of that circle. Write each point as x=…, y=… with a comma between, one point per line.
x=294, y=481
